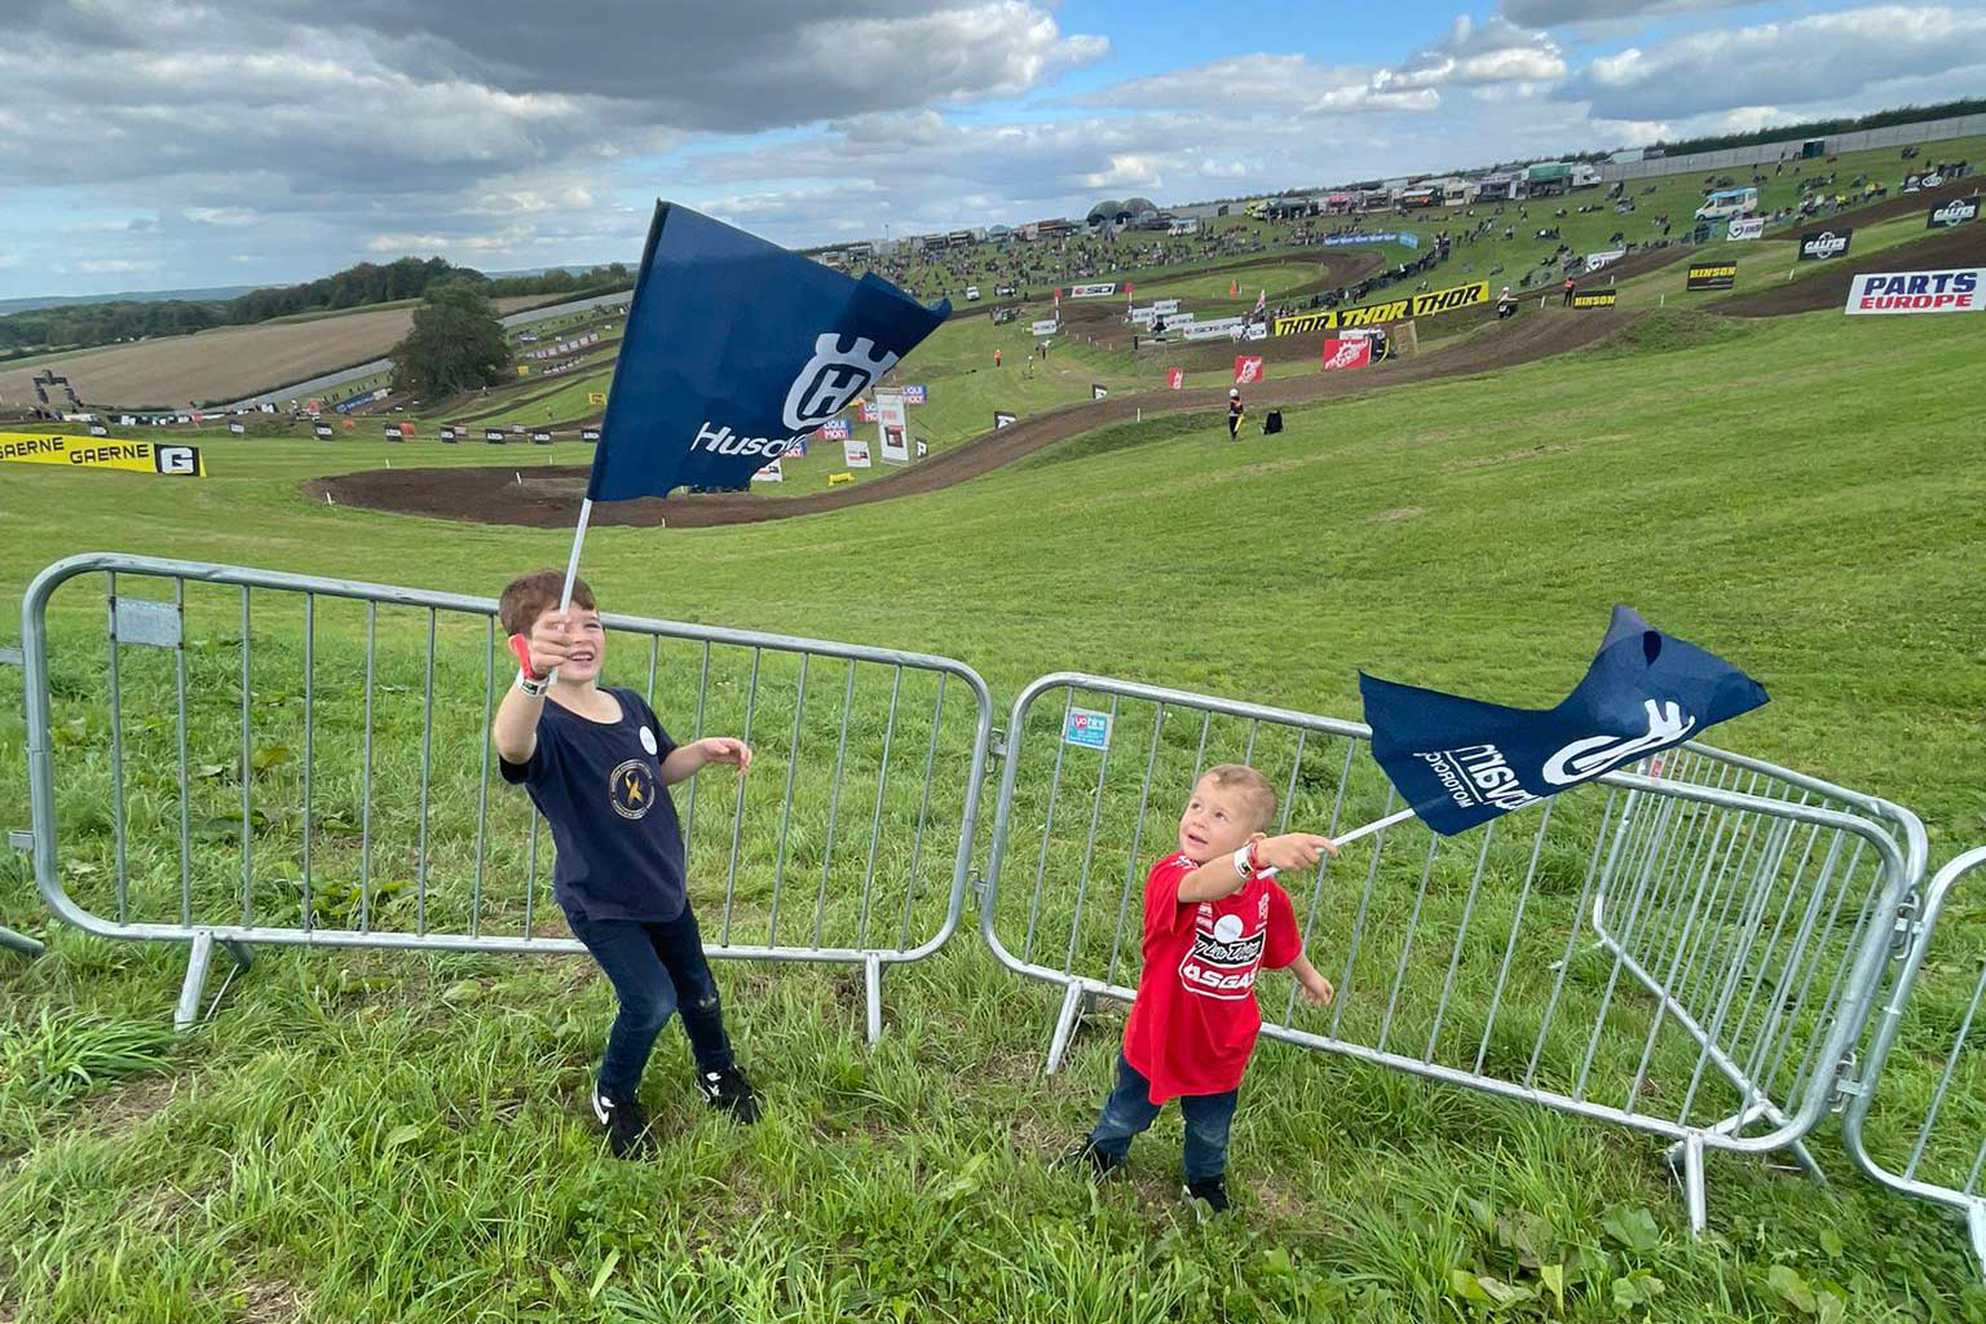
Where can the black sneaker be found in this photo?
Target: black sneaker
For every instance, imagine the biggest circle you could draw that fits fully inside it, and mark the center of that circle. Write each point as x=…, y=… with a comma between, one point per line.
x=626, y=1124
x=1208, y=1196
x=1085, y=1154
x=729, y=1092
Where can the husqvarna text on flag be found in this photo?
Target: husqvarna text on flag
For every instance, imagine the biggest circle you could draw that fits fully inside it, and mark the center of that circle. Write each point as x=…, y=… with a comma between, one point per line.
x=1459, y=762
x=734, y=349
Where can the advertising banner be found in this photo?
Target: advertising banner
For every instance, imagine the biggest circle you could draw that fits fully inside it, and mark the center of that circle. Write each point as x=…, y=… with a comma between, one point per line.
x=448, y=435
x=1247, y=369
x=1952, y=291
x=915, y=395
x=324, y=430
x=835, y=429
x=1711, y=276
x=494, y=436
x=1095, y=290
x=893, y=424
x=238, y=429
x=1820, y=245
x=772, y=473
x=1595, y=298
x=137, y=457
x=1175, y=378
x=1420, y=305
x=1046, y=327
x=855, y=454
x=1346, y=354
x=1956, y=212
x=1214, y=330
x=1746, y=227
x=1098, y=391
x=865, y=411
x=596, y=397
x=1003, y=419
x=542, y=438
x=1165, y=307
x=922, y=448
x=1594, y=261
x=393, y=432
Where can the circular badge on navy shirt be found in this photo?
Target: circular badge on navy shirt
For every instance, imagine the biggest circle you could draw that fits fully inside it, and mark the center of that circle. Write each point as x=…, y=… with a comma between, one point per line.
x=631, y=788
x=648, y=740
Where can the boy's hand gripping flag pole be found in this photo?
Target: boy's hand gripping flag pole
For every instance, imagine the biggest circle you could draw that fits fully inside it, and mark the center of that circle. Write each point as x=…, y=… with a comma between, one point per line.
x=735, y=350
x=1459, y=762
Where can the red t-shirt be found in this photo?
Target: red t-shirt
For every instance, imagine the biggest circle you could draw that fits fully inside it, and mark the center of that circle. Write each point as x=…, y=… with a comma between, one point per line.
x=1193, y=1025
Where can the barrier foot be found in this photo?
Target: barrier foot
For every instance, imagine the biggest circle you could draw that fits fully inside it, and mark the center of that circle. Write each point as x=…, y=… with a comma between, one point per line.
x=19, y=942
x=1975, y=1223
x=1075, y=1001
x=872, y=992
x=196, y=981
x=1693, y=1196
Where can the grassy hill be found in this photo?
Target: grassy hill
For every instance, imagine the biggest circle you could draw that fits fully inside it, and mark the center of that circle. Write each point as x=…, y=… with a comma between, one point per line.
x=371, y=1135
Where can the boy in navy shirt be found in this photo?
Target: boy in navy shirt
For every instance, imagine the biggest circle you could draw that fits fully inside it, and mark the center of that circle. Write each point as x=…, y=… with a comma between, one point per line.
x=597, y=763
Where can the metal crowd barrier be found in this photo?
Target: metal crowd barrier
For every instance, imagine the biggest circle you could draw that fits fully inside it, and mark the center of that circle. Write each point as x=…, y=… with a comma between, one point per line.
x=245, y=757
x=10, y=663
x=1942, y=1158
x=1686, y=950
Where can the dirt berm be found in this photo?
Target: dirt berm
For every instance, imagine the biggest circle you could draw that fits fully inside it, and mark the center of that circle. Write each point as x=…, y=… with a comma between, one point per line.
x=551, y=498
x=1964, y=246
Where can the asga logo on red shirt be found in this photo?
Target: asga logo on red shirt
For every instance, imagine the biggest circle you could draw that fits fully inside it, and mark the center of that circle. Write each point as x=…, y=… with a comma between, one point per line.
x=1225, y=955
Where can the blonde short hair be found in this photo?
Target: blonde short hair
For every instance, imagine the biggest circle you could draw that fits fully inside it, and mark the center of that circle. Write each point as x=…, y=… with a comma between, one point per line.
x=1252, y=785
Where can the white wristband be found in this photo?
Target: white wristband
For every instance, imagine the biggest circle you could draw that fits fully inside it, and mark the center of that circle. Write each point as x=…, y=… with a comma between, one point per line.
x=1241, y=865
x=532, y=686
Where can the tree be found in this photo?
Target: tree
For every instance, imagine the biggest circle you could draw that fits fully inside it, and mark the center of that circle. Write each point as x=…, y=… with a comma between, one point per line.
x=456, y=344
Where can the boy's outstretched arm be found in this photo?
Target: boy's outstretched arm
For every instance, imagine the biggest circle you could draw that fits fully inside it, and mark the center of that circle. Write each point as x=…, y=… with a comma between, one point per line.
x=685, y=761
x=1218, y=877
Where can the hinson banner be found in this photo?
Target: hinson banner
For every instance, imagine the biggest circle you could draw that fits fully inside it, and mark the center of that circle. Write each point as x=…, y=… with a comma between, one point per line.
x=138, y=457
x=1711, y=276
x=1419, y=305
x=1595, y=298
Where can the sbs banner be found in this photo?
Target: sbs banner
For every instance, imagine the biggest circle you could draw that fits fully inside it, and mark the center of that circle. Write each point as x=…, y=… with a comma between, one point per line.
x=136, y=457
x=1346, y=354
x=1956, y=212
x=1595, y=298
x=1711, y=276
x=1820, y=245
x=1952, y=291
x=1746, y=227
x=1247, y=369
x=1430, y=304
x=1097, y=290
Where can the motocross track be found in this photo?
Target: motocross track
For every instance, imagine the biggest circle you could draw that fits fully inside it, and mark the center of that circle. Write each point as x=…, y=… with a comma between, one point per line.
x=1962, y=246
x=551, y=500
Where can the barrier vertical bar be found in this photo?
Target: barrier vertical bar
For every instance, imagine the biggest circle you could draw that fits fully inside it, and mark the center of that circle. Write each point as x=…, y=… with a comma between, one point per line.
x=483, y=775
x=786, y=806
x=834, y=804
x=247, y=773
x=427, y=763
x=185, y=814
x=309, y=750
x=923, y=812
x=876, y=821
x=738, y=807
x=117, y=754
x=365, y=776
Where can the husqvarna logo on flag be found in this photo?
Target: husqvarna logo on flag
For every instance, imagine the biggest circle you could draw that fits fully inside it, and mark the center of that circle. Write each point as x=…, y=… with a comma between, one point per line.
x=1459, y=762
x=833, y=377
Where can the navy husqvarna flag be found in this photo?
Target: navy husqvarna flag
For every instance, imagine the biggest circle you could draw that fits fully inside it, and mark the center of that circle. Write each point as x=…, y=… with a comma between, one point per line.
x=735, y=350
x=1458, y=762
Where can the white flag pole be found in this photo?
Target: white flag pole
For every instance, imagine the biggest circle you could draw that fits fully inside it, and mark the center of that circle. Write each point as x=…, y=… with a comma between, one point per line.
x=572, y=565
x=1376, y=825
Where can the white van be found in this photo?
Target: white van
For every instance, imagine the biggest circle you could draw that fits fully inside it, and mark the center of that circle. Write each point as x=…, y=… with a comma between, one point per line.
x=972, y=294
x=1726, y=203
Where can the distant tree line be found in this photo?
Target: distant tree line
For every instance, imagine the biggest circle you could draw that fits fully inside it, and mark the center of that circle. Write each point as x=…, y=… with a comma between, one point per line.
x=1881, y=119
x=82, y=325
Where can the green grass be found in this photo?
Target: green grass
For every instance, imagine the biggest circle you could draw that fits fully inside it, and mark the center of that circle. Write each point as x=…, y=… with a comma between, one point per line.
x=381, y=1135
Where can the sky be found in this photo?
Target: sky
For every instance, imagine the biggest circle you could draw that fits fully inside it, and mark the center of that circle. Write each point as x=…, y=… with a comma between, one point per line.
x=157, y=144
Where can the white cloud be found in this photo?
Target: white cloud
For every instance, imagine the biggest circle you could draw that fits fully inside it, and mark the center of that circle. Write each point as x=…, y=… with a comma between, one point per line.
x=226, y=216
x=101, y=266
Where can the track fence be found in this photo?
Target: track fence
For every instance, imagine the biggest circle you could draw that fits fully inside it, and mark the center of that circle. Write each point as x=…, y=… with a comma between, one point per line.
x=11, y=690
x=219, y=755
x=1925, y=1135
x=1686, y=950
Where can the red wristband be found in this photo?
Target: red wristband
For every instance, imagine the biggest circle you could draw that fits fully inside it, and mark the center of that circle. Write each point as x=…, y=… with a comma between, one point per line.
x=521, y=646
x=1254, y=860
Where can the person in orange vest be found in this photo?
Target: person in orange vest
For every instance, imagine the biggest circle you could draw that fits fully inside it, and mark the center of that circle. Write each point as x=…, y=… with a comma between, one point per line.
x=1234, y=412
x=996, y=358
x=1569, y=288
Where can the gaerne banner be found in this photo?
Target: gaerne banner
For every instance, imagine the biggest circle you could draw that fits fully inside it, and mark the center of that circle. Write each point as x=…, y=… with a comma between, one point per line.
x=1956, y=212
x=138, y=457
x=1420, y=305
x=1953, y=291
x=1820, y=245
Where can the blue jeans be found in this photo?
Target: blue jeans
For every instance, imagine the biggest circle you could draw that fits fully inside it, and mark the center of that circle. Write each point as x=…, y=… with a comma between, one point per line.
x=656, y=968
x=1130, y=1109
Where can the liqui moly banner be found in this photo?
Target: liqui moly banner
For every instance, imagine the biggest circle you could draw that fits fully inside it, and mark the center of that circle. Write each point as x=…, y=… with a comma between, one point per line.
x=835, y=429
x=1953, y=291
x=865, y=411
x=1346, y=354
x=915, y=395
x=1747, y=227
x=1247, y=369
x=855, y=454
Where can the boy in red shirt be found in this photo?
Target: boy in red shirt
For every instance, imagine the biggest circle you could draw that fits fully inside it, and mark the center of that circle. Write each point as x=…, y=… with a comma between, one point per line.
x=1214, y=916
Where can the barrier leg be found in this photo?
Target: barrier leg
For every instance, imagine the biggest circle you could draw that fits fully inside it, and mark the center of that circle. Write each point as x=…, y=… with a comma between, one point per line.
x=196, y=980
x=872, y=991
x=1975, y=1223
x=1075, y=1001
x=1693, y=1196
x=19, y=942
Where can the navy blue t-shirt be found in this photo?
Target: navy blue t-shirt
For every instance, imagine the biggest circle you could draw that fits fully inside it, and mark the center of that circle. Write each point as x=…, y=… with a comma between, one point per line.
x=599, y=785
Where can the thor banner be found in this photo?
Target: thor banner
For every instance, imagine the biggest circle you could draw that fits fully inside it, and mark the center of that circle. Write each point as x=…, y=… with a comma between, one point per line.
x=1458, y=762
x=735, y=348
